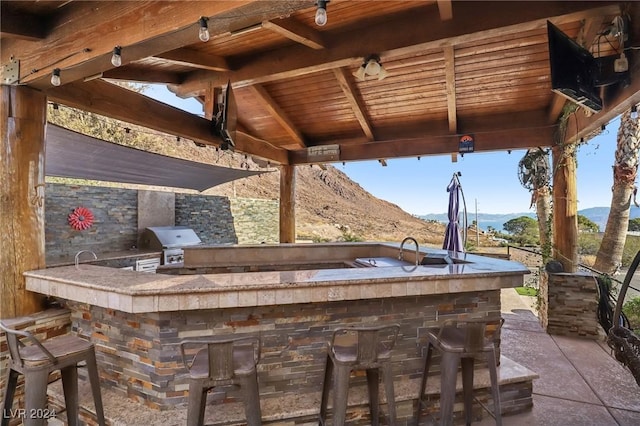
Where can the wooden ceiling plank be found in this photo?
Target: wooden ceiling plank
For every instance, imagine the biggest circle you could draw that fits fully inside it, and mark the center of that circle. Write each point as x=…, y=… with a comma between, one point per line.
x=194, y=59
x=450, y=83
x=294, y=30
x=113, y=101
x=445, y=10
x=405, y=34
x=263, y=97
x=355, y=101
x=21, y=25
x=99, y=27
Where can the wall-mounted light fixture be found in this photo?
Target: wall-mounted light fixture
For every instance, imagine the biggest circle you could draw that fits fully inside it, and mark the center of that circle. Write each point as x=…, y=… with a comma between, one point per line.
x=321, y=13
x=371, y=66
x=203, y=33
x=116, y=57
x=55, y=77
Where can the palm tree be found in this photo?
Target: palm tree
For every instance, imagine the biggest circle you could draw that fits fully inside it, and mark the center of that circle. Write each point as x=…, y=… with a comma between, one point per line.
x=535, y=175
x=625, y=169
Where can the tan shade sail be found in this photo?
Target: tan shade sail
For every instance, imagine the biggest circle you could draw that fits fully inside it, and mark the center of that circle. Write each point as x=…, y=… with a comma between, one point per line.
x=74, y=155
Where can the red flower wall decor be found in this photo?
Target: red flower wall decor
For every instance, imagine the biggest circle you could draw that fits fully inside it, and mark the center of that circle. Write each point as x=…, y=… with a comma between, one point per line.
x=81, y=218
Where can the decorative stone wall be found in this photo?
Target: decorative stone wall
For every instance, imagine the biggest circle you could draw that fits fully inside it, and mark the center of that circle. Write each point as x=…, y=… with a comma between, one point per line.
x=139, y=355
x=43, y=325
x=115, y=225
x=216, y=220
x=209, y=216
x=572, y=305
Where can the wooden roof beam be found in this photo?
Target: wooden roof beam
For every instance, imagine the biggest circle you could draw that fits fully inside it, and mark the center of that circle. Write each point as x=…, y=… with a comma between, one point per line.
x=294, y=30
x=261, y=95
x=496, y=140
x=113, y=101
x=142, y=75
x=445, y=9
x=194, y=59
x=402, y=34
x=355, y=101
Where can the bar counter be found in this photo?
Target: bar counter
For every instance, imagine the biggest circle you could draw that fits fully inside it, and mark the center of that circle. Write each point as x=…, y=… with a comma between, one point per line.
x=137, y=319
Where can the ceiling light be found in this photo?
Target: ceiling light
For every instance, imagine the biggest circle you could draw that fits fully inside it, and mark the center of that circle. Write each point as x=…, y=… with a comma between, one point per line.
x=371, y=66
x=203, y=34
x=116, y=58
x=321, y=13
x=55, y=77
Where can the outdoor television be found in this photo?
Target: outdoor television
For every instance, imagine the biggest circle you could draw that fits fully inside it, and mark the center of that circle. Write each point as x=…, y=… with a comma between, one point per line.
x=226, y=118
x=573, y=70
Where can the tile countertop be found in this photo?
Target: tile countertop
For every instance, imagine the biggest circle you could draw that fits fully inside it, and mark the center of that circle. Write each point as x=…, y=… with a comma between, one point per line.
x=133, y=292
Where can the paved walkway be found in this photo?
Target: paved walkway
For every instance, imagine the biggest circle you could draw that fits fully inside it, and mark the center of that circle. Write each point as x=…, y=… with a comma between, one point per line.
x=580, y=382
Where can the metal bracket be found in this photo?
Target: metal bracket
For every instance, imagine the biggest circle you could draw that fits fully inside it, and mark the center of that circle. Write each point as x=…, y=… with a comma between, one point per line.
x=10, y=73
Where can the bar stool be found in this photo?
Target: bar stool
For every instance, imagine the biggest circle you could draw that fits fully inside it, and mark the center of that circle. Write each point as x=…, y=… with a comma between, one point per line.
x=36, y=361
x=460, y=341
x=222, y=363
x=359, y=348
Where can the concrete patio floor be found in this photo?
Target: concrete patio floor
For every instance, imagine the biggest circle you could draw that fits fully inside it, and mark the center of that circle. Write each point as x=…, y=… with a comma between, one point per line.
x=580, y=382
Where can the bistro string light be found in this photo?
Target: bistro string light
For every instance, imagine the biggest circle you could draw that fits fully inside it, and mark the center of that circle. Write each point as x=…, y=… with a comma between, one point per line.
x=321, y=13
x=116, y=57
x=203, y=33
x=55, y=77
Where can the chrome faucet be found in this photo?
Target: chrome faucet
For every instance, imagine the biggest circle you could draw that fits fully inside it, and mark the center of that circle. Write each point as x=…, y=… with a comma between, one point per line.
x=401, y=255
x=84, y=251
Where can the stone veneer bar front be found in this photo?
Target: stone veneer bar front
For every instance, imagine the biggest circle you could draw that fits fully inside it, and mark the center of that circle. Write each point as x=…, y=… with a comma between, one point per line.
x=137, y=320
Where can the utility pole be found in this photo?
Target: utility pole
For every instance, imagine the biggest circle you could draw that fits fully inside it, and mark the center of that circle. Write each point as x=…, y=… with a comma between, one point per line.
x=477, y=226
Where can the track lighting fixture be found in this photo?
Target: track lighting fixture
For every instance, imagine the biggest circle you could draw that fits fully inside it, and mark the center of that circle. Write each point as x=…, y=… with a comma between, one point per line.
x=55, y=77
x=321, y=13
x=116, y=58
x=371, y=66
x=203, y=34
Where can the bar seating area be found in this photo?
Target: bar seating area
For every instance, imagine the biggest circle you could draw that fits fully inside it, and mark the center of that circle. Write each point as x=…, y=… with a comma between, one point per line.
x=564, y=384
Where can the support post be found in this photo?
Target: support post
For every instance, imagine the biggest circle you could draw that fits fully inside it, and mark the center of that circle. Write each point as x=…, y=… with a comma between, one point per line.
x=565, y=206
x=22, y=124
x=287, y=204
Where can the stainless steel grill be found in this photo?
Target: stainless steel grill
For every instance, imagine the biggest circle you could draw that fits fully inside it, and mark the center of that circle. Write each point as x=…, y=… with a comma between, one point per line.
x=171, y=240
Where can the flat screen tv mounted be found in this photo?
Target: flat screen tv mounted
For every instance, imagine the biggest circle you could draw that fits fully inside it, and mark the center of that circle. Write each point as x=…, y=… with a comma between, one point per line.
x=225, y=119
x=572, y=70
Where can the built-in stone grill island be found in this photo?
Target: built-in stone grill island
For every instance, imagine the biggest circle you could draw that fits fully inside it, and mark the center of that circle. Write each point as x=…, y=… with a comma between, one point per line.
x=292, y=296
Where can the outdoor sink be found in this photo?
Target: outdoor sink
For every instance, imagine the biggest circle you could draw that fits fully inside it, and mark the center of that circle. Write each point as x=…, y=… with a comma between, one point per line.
x=380, y=262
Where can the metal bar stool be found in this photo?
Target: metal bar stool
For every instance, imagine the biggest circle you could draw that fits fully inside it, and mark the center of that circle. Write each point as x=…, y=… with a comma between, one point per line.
x=36, y=361
x=222, y=363
x=359, y=348
x=460, y=342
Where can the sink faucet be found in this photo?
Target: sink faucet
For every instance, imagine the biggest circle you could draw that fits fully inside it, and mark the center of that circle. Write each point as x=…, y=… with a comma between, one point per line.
x=84, y=251
x=401, y=255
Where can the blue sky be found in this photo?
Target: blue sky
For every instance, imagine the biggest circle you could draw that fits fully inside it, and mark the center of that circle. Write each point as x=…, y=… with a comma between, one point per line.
x=490, y=179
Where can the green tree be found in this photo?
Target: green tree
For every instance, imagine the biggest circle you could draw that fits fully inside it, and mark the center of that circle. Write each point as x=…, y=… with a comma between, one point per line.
x=524, y=230
x=634, y=224
x=587, y=225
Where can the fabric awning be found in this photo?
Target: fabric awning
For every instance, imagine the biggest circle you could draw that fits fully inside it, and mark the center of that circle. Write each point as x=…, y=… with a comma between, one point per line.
x=74, y=155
